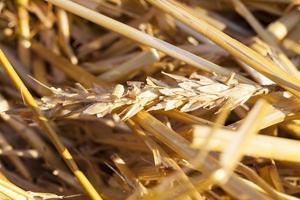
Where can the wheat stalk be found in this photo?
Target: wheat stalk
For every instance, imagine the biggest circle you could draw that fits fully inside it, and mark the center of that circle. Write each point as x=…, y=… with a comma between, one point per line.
x=237, y=49
x=265, y=35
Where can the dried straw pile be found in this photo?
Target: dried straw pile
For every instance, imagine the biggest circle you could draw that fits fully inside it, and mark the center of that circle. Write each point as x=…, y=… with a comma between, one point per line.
x=149, y=99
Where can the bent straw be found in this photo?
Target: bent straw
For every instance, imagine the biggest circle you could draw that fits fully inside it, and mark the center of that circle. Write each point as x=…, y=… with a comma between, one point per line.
x=144, y=38
x=44, y=123
x=236, y=48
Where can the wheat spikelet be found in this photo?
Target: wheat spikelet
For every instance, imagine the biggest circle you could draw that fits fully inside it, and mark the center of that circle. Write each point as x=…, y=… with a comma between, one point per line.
x=186, y=94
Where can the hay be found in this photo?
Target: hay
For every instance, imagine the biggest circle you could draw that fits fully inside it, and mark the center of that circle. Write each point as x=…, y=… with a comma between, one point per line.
x=163, y=100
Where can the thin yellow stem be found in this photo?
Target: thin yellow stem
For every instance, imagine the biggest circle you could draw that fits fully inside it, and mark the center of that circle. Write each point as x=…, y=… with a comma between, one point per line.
x=45, y=125
x=24, y=32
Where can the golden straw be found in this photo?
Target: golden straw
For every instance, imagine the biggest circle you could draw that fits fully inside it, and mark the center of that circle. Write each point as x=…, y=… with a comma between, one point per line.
x=44, y=123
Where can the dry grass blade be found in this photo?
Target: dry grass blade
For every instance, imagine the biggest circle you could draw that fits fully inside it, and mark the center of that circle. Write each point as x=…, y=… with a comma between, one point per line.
x=73, y=71
x=232, y=155
x=129, y=176
x=64, y=35
x=34, y=140
x=182, y=148
x=24, y=29
x=13, y=192
x=164, y=158
x=184, y=117
x=249, y=173
x=21, y=153
x=44, y=123
x=280, y=109
x=143, y=38
x=22, y=71
x=247, y=55
x=40, y=74
x=286, y=63
x=219, y=122
x=32, y=137
x=6, y=149
x=127, y=69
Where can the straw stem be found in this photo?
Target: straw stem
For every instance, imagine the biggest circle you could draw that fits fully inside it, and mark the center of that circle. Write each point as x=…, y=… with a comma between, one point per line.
x=144, y=38
x=44, y=123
